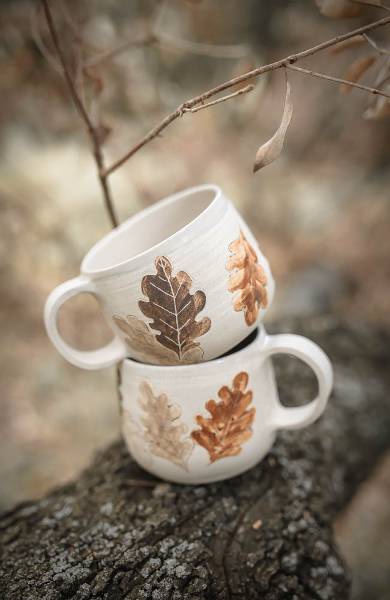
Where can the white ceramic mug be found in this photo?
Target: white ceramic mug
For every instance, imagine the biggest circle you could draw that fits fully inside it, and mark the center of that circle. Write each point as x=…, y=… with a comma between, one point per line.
x=181, y=282
x=206, y=422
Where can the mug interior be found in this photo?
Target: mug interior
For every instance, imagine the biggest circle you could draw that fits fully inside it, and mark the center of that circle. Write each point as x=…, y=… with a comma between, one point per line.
x=147, y=229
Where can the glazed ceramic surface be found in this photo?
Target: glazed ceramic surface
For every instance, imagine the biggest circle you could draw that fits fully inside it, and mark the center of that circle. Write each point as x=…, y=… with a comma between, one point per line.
x=210, y=421
x=181, y=282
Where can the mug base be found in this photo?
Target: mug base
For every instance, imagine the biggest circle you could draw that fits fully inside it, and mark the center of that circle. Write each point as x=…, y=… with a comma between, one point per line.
x=172, y=474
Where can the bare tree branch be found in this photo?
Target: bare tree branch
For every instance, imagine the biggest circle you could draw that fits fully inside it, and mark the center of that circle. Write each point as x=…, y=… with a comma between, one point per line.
x=92, y=132
x=201, y=98
x=244, y=90
x=366, y=88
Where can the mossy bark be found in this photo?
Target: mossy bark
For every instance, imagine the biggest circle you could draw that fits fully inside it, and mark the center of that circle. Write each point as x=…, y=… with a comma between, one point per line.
x=116, y=533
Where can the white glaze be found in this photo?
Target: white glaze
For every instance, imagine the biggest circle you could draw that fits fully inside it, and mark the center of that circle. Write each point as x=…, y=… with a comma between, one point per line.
x=193, y=229
x=187, y=389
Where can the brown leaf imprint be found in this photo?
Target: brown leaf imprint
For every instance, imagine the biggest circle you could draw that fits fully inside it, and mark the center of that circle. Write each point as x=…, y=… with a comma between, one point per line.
x=173, y=309
x=141, y=340
x=230, y=424
x=248, y=278
x=163, y=430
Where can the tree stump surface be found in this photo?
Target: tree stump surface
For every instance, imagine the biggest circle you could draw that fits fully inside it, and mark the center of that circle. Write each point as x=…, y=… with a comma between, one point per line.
x=117, y=533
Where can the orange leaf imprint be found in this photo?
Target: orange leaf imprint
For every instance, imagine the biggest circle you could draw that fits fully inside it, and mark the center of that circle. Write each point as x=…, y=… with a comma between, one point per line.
x=248, y=279
x=229, y=426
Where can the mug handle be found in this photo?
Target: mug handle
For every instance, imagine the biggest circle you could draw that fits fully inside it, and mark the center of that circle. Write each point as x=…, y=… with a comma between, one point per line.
x=107, y=356
x=312, y=355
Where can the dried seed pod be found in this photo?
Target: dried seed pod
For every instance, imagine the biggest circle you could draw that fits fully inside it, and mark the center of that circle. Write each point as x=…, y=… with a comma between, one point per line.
x=356, y=71
x=272, y=149
x=353, y=42
x=380, y=108
x=338, y=9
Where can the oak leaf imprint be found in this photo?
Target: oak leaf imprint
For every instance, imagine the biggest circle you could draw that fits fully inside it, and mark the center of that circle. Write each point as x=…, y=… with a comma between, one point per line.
x=230, y=424
x=164, y=433
x=248, y=279
x=134, y=438
x=141, y=340
x=173, y=309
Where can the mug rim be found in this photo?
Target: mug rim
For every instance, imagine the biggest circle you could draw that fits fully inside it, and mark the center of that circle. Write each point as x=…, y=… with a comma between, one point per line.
x=214, y=209
x=199, y=368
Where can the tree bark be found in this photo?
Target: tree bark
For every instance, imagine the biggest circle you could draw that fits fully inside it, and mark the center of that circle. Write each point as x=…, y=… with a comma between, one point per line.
x=117, y=533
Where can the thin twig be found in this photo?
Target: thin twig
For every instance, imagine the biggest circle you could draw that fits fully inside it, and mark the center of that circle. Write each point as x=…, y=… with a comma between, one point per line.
x=92, y=132
x=147, y=40
x=244, y=90
x=36, y=34
x=201, y=98
x=376, y=47
x=165, y=40
x=372, y=4
x=360, y=86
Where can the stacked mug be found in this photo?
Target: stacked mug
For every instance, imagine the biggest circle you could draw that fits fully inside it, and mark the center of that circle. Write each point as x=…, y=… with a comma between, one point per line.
x=185, y=287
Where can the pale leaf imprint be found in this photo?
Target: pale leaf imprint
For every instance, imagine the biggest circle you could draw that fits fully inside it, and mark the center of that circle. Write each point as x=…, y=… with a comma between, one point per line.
x=134, y=438
x=163, y=431
x=247, y=278
x=173, y=309
x=141, y=340
x=230, y=424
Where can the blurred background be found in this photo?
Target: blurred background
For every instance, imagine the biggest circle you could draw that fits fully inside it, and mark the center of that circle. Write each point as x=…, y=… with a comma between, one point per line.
x=321, y=212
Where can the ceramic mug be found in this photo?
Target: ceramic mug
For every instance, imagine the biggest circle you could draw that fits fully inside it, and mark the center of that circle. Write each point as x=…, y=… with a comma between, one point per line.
x=206, y=422
x=180, y=282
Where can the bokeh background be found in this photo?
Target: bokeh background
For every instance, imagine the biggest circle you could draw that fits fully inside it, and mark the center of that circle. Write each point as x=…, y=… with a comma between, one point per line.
x=321, y=212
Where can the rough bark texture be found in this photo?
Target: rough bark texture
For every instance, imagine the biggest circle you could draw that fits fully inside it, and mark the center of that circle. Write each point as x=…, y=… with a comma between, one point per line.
x=266, y=534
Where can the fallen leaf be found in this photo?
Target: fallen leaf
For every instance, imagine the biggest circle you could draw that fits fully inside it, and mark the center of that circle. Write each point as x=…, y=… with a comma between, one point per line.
x=272, y=149
x=357, y=40
x=380, y=107
x=356, y=71
x=338, y=9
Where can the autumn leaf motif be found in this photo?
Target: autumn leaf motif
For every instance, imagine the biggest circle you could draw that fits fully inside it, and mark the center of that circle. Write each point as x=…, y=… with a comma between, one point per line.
x=140, y=340
x=248, y=279
x=134, y=438
x=229, y=427
x=164, y=433
x=173, y=309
